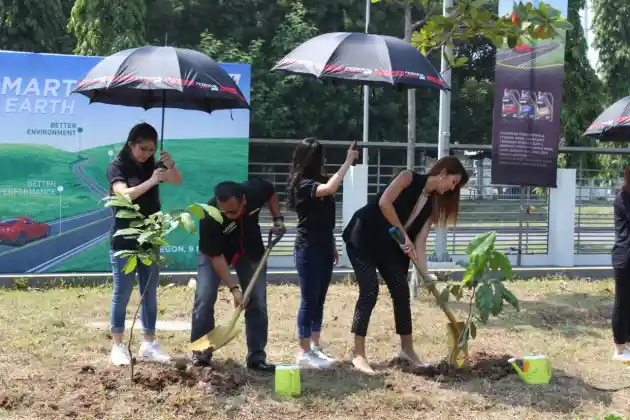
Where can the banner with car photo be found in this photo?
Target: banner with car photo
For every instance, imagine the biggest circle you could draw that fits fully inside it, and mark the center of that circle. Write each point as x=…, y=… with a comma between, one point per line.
x=55, y=150
x=528, y=95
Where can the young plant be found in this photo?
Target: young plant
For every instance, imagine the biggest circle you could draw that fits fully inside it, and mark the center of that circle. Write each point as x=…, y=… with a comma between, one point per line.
x=150, y=234
x=489, y=293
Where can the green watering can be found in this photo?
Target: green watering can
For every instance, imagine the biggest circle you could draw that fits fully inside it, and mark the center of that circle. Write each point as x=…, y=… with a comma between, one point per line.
x=533, y=370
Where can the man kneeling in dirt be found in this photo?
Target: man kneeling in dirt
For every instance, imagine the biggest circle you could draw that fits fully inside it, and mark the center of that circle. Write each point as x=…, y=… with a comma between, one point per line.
x=237, y=242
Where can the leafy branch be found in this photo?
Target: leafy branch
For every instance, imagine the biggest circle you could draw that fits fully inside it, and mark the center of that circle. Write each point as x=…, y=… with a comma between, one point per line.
x=469, y=19
x=150, y=234
x=487, y=293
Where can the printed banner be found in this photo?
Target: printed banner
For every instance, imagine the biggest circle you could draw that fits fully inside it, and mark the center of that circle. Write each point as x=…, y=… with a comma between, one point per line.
x=55, y=148
x=526, y=122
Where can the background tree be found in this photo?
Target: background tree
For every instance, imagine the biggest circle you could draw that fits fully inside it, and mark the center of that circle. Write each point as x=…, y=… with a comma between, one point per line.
x=34, y=26
x=611, y=22
x=102, y=27
x=582, y=92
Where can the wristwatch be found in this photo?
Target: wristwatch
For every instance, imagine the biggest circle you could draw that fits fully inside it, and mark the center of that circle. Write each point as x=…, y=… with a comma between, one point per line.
x=276, y=218
x=233, y=288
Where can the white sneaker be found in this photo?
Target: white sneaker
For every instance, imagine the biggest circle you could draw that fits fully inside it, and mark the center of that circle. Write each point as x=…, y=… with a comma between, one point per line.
x=311, y=360
x=623, y=357
x=119, y=355
x=150, y=352
x=319, y=352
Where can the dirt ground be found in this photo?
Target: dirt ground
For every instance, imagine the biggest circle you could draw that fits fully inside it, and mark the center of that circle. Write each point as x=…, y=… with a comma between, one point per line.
x=54, y=365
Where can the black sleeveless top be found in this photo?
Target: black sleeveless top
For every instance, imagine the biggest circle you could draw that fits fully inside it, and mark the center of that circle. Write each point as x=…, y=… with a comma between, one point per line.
x=368, y=230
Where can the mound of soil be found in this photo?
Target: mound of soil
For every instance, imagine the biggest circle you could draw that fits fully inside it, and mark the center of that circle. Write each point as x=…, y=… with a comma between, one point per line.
x=158, y=377
x=480, y=365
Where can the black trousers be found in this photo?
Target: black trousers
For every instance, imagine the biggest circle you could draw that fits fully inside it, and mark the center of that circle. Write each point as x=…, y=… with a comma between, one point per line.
x=621, y=310
x=394, y=273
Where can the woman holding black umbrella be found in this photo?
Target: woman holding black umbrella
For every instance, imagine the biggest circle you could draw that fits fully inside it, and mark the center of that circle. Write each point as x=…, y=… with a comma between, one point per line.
x=136, y=173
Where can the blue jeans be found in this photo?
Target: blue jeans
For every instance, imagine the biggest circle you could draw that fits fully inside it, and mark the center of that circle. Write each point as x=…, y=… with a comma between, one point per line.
x=123, y=286
x=314, y=265
x=256, y=319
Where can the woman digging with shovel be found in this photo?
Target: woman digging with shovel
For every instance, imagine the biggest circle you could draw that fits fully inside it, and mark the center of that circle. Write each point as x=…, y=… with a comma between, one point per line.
x=412, y=203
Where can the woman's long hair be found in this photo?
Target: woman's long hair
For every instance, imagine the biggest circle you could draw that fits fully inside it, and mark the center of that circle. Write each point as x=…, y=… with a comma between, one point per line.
x=307, y=162
x=139, y=132
x=446, y=206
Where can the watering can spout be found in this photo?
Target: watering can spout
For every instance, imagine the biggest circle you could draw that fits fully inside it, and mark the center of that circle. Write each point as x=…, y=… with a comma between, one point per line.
x=516, y=367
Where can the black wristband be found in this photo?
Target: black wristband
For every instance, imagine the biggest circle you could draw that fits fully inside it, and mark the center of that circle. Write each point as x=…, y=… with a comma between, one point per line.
x=276, y=218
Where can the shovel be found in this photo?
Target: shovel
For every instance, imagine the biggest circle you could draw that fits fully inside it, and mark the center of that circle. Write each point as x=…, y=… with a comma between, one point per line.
x=398, y=236
x=223, y=334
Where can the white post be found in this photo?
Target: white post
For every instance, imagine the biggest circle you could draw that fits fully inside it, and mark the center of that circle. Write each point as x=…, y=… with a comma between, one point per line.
x=366, y=94
x=562, y=219
x=355, y=194
x=60, y=190
x=444, y=129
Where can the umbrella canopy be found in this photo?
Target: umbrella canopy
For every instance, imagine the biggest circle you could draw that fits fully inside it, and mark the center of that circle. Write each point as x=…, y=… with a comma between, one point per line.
x=166, y=77
x=613, y=124
x=364, y=59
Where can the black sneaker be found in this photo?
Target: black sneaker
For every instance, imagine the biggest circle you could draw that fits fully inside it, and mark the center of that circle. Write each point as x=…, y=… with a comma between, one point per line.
x=201, y=358
x=262, y=366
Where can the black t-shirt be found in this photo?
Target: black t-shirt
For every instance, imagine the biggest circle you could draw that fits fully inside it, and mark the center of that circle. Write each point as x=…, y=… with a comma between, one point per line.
x=316, y=215
x=368, y=230
x=621, y=248
x=233, y=238
x=132, y=174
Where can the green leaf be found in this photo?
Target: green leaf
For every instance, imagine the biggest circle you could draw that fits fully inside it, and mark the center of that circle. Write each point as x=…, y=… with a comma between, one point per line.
x=130, y=265
x=483, y=301
x=196, y=210
x=460, y=61
x=146, y=260
x=137, y=223
x=497, y=299
x=127, y=214
x=457, y=291
x=444, y=295
x=187, y=222
x=117, y=202
x=502, y=262
x=481, y=243
x=128, y=232
x=510, y=298
x=563, y=25
x=473, y=330
x=200, y=210
x=144, y=237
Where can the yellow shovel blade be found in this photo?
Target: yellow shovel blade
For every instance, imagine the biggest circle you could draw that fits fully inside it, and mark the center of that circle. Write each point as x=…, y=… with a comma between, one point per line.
x=215, y=339
x=229, y=337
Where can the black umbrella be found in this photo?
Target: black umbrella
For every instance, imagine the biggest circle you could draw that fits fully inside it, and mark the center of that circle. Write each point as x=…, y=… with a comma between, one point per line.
x=166, y=77
x=613, y=124
x=364, y=59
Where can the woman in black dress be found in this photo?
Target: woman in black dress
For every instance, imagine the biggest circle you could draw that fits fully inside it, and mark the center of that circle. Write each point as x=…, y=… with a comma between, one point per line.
x=413, y=203
x=621, y=267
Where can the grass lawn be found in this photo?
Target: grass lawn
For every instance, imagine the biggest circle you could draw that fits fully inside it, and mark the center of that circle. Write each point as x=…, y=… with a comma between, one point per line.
x=54, y=365
x=26, y=162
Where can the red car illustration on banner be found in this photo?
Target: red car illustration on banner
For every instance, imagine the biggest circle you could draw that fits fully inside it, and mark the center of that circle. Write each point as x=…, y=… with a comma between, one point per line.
x=523, y=48
x=20, y=230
